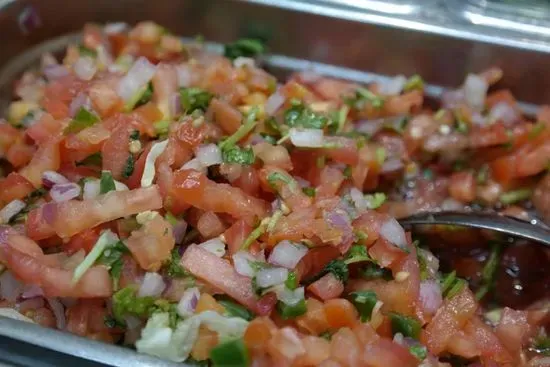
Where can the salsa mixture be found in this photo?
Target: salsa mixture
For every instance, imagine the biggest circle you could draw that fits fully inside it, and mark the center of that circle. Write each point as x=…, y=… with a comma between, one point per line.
x=185, y=203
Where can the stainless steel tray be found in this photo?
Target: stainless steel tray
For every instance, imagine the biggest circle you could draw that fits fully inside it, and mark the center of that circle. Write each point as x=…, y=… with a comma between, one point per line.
x=331, y=37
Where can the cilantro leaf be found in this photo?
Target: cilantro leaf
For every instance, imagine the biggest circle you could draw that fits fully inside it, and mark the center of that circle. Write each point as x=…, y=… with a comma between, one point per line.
x=107, y=182
x=238, y=155
x=194, y=99
x=364, y=302
x=82, y=120
x=128, y=167
x=357, y=253
x=298, y=115
x=245, y=47
x=362, y=97
x=172, y=266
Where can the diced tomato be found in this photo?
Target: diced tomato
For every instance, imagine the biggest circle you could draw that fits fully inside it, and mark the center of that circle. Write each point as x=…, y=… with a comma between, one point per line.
x=84, y=240
x=404, y=104
x=344, y=151
x=286, y=346
x=206, y=340
x=59, y=94
x=208, y=303
x=314, y=321
x=365, y=333
x=8, y=136
x=317, y=351
x=315, y=260
x=19, y=154
x=273, y=155
x=513, y=330
x=45, y=128
x=210, y=225
x=494, y=134
x=165, y=86
x=386, y=253
x=490, y=346
x=220, y=274
x=258, y=333
x=340, y=313
x=236, y=234
x=328, y=287
x=331, y=178
x=45, y=159
x=288, y=189
x=134, y=181
x=115, y=151
x=14, y=187
x=370, y=224
x=345, y=347
x=385, y=353
x=463, y=186
x=248, y=181
x=225, y=115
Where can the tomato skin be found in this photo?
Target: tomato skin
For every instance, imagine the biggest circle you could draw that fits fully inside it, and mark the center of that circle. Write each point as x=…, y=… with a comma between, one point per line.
x=115, y=151
x=385, y=353
x=314, y=321
x=8, y=136
x=315, y=260
x=210, y=225
x=227, y=116
x=236, y=234
x=189, y=184
x=13, y=187
x=47, y=158
x=328, y=287
x=84, y=240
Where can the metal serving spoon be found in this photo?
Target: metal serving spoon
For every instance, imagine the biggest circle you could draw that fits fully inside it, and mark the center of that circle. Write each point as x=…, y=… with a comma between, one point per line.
x=534, y=231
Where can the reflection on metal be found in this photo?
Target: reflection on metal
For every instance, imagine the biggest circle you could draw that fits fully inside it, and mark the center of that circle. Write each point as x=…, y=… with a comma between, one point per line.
x=402, y=7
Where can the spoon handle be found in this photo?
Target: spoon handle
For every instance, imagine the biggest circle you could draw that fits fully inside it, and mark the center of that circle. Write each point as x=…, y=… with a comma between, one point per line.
x=537, y=232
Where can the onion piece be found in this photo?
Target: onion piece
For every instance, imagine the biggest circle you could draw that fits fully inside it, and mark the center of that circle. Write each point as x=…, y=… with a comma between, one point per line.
x=65, y=192
x=54, y=72
x=274, y=102
x=392, y=165
x=188, y=302
x=91, y=189
x=193, y=164
x=242, y=262
x=287, y=254
x=392, y=87
x=430, y=296
x=184, y=75
x=137, y=77
x=240, y=61
x=10, y=287
x=179, y=229
x=59, y=312
x=50, y=178
x=287, y=296
x=116, y=27
x=80, y=101
x=392, y=231
x=32, y=291
x=215, y=246
x=85, y=68
x=11, y=210
x=149, y=169
x=152, y=286
x=30, y=304
x=505, y=113
x=209, y=155
x=307, y=138
x=358, y=199
x=475, y=90
x=269, y=277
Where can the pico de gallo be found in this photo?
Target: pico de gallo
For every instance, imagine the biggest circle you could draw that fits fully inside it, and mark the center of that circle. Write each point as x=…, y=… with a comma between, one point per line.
x=186, y=203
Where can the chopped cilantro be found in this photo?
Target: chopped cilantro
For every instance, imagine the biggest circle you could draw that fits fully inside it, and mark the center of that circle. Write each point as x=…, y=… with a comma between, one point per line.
x=82, y=120
x=327, y=335
x=94, y=160
x=162, y=127
x=134, y=135
x=173, y=268
x=106, y=183
x=482, y=174
x=512, y=197
x=489, y=271
x=375, y=200
x=249, y=124
x=347, y=172
x=461, y=124
x=537, y=130
x=146, y=96
x=362, y=97
x=309, y=191
x=291, y=311
x=364, y=302
x=238, y=155
x=373, y=271
x=126, y=302
x=419, y=351
x=338, y=268
x=194, y=99
x=112, y=258
x=541, y=345
x=298, y=115
x=406, y=325
x=414, y=82
x=273, y=177
x=357, y=253
x=128, y=167
x=380, y=155
x=233, y=309
x=245, y=47
x=230, y=353
x=112, y=323
x=451, y=285
x=86, y=51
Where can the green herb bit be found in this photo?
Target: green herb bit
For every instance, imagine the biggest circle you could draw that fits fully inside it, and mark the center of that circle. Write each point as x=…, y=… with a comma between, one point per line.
x=342, y=117
x=162, y=127
x=309, y=191
x=414, y=82
x=233, y=309
x=238, y=155
x=364, y=302
x=541, y=345
x=172, y=266
x=489, y=270
x=194, y=99
x=482, y=174
x=256, y=233
x=275, y=177
x=106, y=182
x=291, y=281
x=363, y=96
x=249, y=124
x=134, y=135
x=448, y=281
x=512, y=197
x=128, y=169
x=126, y=302
x=419, y=351
x=457, y=287
x=92, y=256
x=339, y=269
x=94, y=160
x=245, y=47
x=112, y=258
x=347, y=172
x=269, y=138
x=406, y=325
x=86, y=51
x=146, y=96
x=273, y=221
x=380, y=155
x=272, y=126
x=298, y=115
x=327, y=335
x=461, y=125
x=82, y=120
x=137, y=97
x=357, y=253
x=320, y=161
x=537, y=130
x=372, y=271
x=361, y=236
x=291, y=311
x=112, y=323
x=171, y=218
x=375, y=200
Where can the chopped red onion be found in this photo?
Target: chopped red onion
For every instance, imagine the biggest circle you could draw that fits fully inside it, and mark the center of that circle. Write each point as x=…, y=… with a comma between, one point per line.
x=269, y=277
x=358, y=199
x=179, y=229
x=10, y=287
x=85, y=68
x=307, y=138
x=393, y=87
x=287, y=254
x=104, y=57
x=475, y=90
x=392, y=165
x=81, y=100
x=65, y=192
x=505, y=113
x=11, y=210
x=239, y=62
x=398, y=338
x=188, y=302
x=175, y=104
x=32, y=291
x=50, y=178
x=30, y=304
x=241, y=262
x=133, y=329
x=137, y=77
x=392, y=231
x=215, y=246
x=231, y=171
x=54, y=72
x=152, y=286
x=209, y=155
x=59, y=312
x=274, y=102
x=184, y=75
x=91, y=189
x=430, y=296
x=287, y=296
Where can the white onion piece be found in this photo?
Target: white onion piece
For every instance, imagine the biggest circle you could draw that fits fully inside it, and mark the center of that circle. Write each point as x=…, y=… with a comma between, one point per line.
x=152, y=286
x=370, y=127
x=209, y=155
x=179, y=229
x=59, y=312
x=188, y=302
x=11, y=210
x=116, y=27
x=358, y=199
x=53, y=72
x=240, y=61
x=430, y=296
x=307, y=138
x=393, y=87
x=451, y=204
x=274, y=102
x=392, y=231
x=241, y=262
x=81, y=100
x=184, y=75
x=215, y=246
x=137, y=77
x=287, y=296
x=65, y=192
x=91, y=189
x=85, y=68
x=193, y=164
x=392, y=165
x=50, y=178
x=287, y=254
x=505, y=113
x=10, y=287
x=32, y=291
x=271, y=276
x=149, y=169
x=475, y=90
